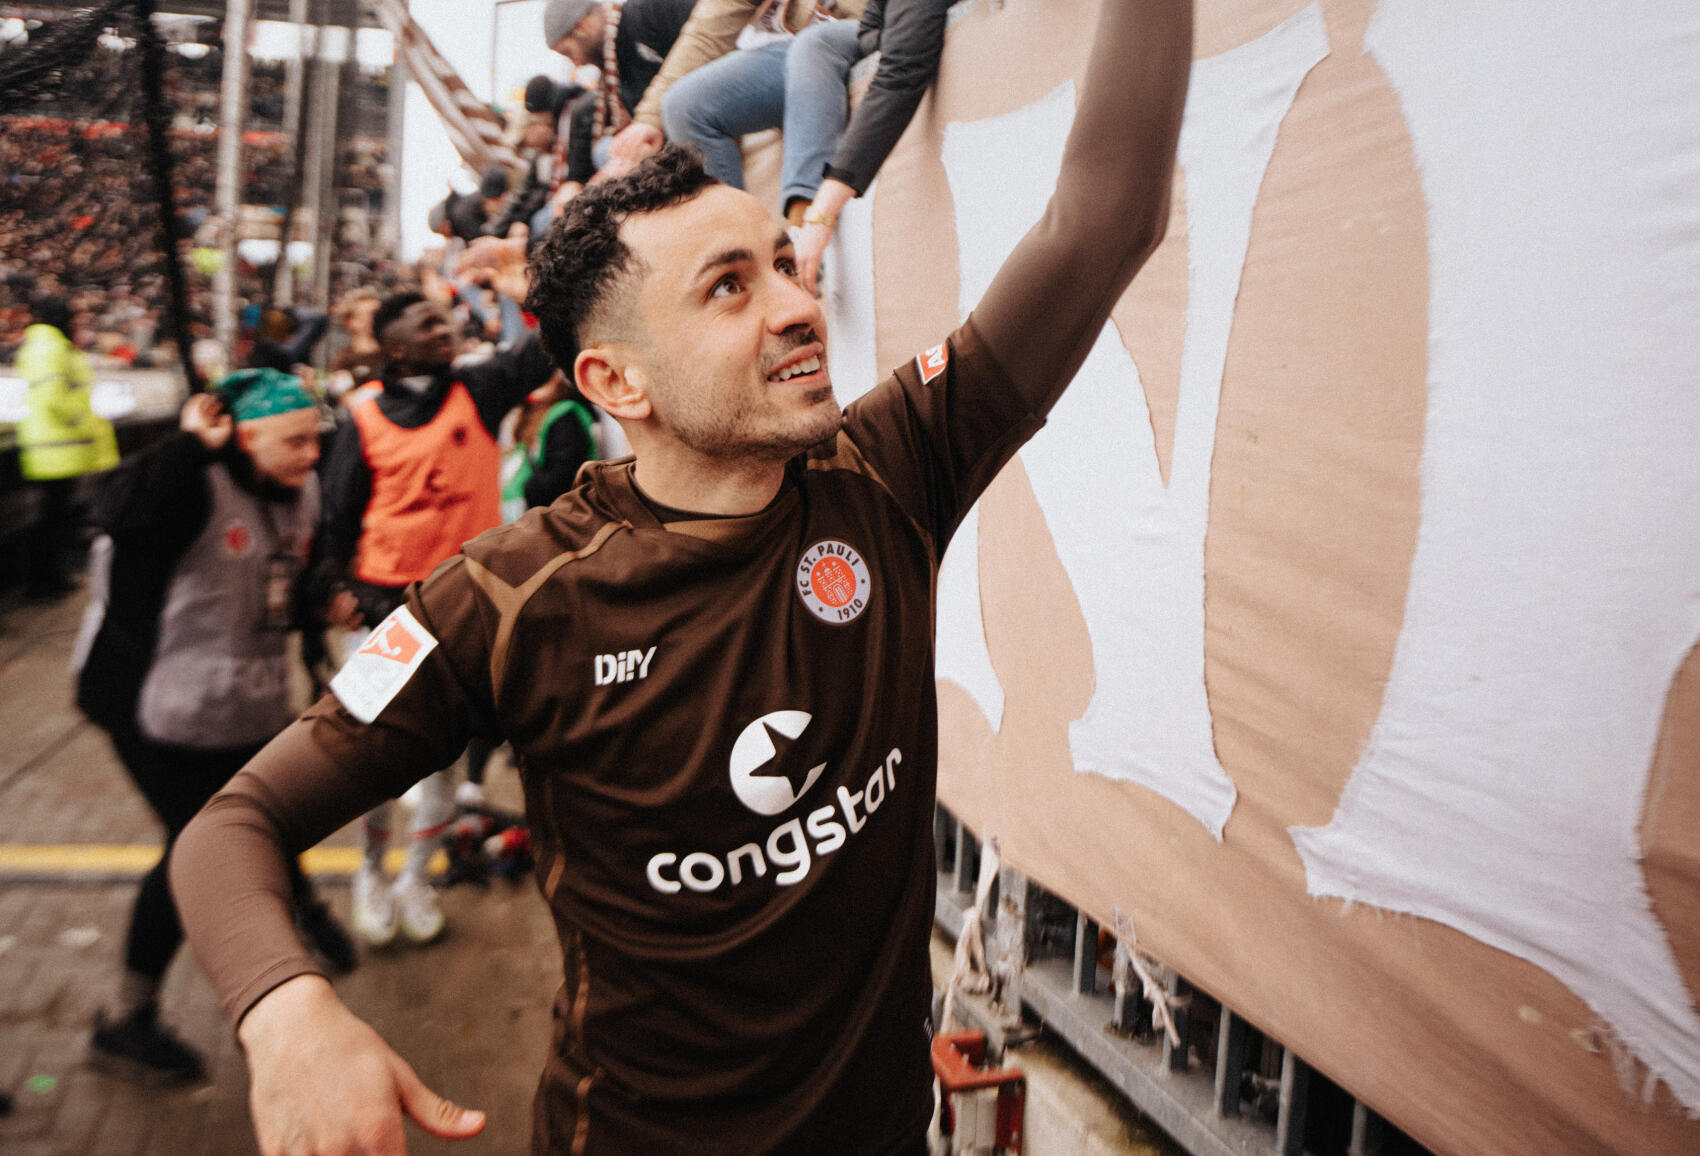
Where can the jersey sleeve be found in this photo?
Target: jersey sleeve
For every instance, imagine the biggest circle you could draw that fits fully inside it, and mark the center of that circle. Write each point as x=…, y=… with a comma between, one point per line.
x=938, y=430
x=228, y=868
x=406, y=702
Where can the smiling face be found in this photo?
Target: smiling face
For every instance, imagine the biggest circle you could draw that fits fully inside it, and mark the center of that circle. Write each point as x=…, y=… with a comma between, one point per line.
x=727, y=349
x=421, y=340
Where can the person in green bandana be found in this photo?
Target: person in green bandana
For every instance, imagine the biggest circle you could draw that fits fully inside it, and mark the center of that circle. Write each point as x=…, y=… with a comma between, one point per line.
x=182, y=660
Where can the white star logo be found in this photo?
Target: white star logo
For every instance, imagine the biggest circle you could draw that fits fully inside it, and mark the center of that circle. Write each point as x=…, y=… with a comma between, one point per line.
x=770, y=791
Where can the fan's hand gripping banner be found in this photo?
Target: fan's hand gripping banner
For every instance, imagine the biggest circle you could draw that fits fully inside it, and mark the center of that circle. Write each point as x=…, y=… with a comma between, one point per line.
x=1341, y=624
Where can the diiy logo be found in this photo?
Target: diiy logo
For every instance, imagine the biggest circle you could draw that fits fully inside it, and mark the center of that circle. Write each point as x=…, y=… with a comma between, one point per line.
x=623, y=666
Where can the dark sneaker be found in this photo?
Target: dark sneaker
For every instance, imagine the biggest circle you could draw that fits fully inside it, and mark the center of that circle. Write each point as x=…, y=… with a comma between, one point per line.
x=326, y=937
x=142, y=1047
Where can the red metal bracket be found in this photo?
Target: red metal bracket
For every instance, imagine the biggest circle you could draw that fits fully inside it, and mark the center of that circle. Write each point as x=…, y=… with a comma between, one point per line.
x=959, y=1063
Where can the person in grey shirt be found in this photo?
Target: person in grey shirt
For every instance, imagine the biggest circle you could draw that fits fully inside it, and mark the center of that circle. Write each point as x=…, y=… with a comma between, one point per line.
x=183, y=661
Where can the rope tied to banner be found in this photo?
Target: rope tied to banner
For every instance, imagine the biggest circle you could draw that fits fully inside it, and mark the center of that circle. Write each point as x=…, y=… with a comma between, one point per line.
x=1133, y=964
x=970, y=972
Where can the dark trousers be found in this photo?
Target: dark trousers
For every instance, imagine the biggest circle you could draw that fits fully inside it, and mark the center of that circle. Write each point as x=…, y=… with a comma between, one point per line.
x=49, y=542
x=177, y=782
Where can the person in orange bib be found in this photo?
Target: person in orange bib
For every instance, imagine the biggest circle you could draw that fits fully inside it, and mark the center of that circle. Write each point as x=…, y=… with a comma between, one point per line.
x=412, y=473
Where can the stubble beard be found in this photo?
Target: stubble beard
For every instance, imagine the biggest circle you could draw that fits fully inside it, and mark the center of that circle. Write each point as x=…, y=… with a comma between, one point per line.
x=741, y=432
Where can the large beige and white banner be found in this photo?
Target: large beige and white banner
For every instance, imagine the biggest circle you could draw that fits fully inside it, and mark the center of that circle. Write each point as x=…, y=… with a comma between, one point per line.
x=1340, y=627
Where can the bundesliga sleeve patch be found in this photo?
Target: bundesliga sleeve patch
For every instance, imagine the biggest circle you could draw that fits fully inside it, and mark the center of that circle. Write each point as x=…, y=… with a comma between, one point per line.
x=376, y=672
x=932, y=363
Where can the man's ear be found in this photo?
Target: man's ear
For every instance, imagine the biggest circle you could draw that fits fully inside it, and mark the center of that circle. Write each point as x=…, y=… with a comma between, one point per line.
x=244, y=437
x=612, y=382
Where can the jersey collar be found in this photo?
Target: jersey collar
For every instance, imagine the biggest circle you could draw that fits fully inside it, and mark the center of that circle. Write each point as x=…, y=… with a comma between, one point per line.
x=615, y=481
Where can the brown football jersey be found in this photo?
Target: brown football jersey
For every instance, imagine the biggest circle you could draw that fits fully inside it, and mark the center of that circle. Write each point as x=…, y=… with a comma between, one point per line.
x=727, y=732
x=728, y=739
x=727, y=726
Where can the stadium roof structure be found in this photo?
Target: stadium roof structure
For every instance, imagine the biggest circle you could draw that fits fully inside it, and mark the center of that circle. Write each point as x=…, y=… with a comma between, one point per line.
x=347, y=13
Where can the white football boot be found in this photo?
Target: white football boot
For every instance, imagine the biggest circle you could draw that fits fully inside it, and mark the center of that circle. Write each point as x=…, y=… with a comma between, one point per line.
x=421, y=914
x=375, y=915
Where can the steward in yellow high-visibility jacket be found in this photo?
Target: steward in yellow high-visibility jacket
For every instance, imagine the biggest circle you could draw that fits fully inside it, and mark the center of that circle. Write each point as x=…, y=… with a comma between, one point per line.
x=59, y=441
x=62, y=437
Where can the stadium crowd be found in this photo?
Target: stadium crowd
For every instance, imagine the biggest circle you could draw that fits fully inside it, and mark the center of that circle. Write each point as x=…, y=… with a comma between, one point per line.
x=75, y=217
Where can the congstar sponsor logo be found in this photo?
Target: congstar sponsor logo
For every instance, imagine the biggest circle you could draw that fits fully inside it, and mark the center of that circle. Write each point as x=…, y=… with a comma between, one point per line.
x=770, y=781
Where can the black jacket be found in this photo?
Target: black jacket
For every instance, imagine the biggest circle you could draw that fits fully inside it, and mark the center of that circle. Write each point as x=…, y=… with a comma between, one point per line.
x=648, y=29
x=909, y=36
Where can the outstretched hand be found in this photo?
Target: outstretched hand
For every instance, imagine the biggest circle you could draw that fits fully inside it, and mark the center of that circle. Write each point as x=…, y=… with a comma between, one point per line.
x=816, y=233
x=636, y=141
x=808, y=249
x=325, y=1084
x=501, y=261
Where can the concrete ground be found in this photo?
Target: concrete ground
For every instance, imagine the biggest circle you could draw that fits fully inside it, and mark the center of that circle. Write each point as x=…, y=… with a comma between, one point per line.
x=470, y=1012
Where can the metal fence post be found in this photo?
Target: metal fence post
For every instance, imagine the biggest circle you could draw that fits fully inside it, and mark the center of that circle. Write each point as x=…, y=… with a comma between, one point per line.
x=967, y=863
x=1230, y=1062
x=1368, y=1131
x=1085, y=955
x=1293, y=1105
x=1007, y=952
x=1175, y=1055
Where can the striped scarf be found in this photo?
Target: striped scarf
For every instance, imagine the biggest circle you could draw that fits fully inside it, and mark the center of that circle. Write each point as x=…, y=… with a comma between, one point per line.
x=611, y=115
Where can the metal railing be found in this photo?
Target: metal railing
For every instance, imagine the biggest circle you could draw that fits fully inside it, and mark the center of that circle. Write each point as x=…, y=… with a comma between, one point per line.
x=1227, y=1089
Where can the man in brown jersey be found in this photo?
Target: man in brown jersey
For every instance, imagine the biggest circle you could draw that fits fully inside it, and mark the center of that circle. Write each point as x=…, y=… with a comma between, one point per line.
x=714, y=660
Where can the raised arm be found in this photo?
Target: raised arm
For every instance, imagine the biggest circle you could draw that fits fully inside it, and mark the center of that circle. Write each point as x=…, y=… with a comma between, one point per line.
x=910, y=44
x=158, y=498
x=1049, y=301
x=502, y=382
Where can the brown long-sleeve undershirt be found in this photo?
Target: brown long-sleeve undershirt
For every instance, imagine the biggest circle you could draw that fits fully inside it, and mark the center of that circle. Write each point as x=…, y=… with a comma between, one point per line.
x=1038, y=320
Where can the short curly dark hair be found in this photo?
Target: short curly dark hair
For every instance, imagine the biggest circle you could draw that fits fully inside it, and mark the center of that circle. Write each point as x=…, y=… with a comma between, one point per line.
x=391, y=309
x=580, y=263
